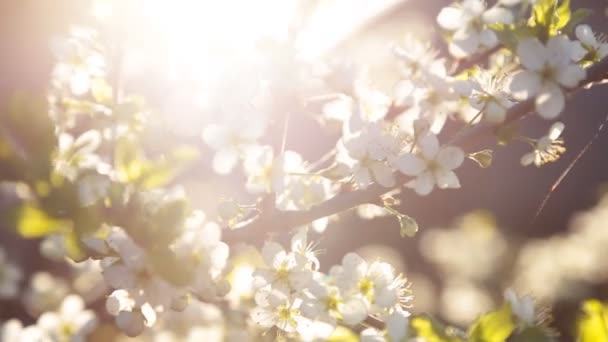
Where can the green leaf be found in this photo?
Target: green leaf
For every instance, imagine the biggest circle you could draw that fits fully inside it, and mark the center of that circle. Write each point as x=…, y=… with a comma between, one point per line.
x=432, y=331
x=74, y=248
x=408, y=226
x=343, y=334
x=32, y=222
x=592, y=324
x=561, y=18
x=495, y=326
x=482, y=158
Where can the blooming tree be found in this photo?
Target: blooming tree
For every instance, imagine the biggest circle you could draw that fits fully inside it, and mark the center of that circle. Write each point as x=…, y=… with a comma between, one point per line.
x=84, y=177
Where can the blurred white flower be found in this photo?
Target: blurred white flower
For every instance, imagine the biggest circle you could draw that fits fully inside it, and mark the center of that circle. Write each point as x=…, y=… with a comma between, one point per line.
x=230, y=139
x=546, y=149
x=365, y=148
x=13, y=331
x=548, y=68
x=432, y=166
x=490, y=96
x=467, y=20
x=589, y=47
x=522, y=307
x=44, y=293
x=10, y=277
x=277, y=309
x=71, y=323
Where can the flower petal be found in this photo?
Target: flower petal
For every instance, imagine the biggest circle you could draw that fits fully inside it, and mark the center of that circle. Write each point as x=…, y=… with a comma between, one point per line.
x=550, y=102
x=532, y=54
x=556, y=130
x=497, y=15
x=383, y=174
x=410, y=164
x=450, y=157
x=429, y=146
x=585, y=35
x=525, y=84
x=424, y=184
x=354, y=311
x=450, y=18
x=570, y=76
x=446, y=179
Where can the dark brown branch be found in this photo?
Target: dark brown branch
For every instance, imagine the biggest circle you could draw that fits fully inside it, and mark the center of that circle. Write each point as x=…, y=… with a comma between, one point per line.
x=274, y=219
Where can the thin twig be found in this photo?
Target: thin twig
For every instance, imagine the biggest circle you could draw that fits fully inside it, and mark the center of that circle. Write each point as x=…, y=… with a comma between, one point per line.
x=276, y=219
x=568, y=169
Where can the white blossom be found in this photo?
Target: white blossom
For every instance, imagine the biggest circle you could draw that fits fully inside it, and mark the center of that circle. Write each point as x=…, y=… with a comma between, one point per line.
x=72, y=322
x=548, y=68
x=546, y=149
x=522, y=307
x=467, y=21
x=365, y=148
x=277, y=309
x=490, y=96
x=433, y=165
x=589, y=47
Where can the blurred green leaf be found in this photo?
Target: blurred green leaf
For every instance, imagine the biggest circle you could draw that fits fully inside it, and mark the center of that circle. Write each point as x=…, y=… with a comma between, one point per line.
x=592, y=324
x=343, y=334
x=432, y=331
x=495, y=326
x=482, y=158
x=408, y=227
x=74, y=248
x=32, y=222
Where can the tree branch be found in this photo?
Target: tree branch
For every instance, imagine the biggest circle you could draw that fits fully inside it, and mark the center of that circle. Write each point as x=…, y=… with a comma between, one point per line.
x=271, y=220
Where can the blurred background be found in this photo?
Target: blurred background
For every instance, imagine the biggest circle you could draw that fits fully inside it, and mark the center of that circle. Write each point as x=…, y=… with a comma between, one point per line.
x=473, y=243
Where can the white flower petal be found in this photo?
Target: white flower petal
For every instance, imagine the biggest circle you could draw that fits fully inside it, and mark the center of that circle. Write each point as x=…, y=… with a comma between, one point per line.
x=550, y=102
x=429, y=146
x=446, y=179
x=450, y=157
x=497, y=15
x=397, y=325
x=525, y=84
x=532, y=54
x=410, y=164
x=225, y=160
x=556, y=130
x=450, y=18
x=424, y=183
x=570, y=76
x=528, y=159
x=383, y=174
x=354, y=311
x=585, y=35
x=465, y=43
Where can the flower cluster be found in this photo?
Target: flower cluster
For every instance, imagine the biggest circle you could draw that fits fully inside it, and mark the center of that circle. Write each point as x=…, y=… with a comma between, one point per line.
x=292, y=295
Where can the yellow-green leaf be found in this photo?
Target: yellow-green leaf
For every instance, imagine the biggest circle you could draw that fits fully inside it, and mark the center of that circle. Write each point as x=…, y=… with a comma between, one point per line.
x=431, y=331
x=495, y=326
x=343, y=334
x=592, y=324
x=32, y=222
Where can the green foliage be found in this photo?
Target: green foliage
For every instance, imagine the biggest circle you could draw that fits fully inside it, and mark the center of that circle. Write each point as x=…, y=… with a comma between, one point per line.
x=343, y=334
x=432, y=331
x=495, y=326
x=134, y=168
x=482, y=158
x=549, y=17
x=33, y=222
x=592, y=324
